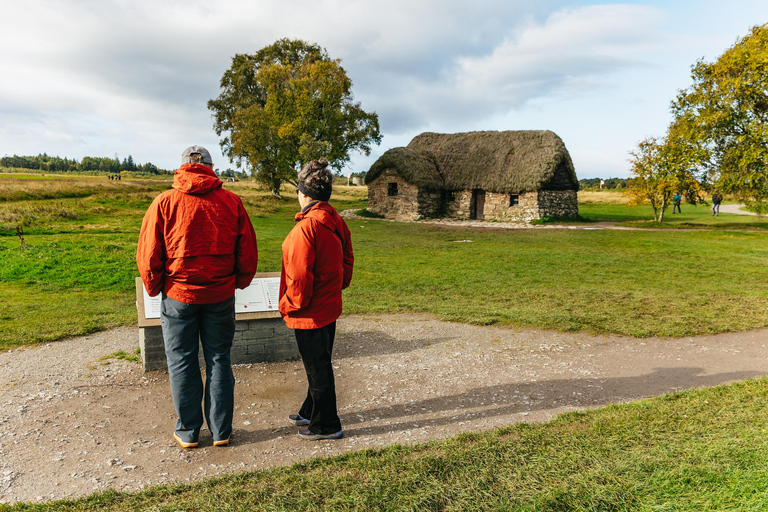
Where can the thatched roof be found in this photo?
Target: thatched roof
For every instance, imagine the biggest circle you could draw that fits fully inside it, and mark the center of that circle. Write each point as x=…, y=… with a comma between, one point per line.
x=506, y=162
x=414, y=166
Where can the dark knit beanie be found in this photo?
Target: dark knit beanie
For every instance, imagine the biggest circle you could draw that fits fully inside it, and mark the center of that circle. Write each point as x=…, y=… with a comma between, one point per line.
x=315, y=180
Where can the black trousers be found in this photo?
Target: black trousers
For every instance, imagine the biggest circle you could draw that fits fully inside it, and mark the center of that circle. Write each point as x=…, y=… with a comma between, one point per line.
x=315, y=347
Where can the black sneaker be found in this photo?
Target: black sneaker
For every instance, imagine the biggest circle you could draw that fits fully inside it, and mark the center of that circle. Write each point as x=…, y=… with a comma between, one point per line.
x=307, y=434
x=298, y=420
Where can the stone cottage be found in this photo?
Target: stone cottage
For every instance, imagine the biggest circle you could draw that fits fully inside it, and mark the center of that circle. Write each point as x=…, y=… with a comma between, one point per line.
x=503, y=176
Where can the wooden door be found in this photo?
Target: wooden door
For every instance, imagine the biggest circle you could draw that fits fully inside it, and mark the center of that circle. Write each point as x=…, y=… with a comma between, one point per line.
x=477, y=205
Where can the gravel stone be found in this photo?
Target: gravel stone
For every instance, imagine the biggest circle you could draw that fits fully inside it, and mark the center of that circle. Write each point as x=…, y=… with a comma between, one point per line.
x=71, y=425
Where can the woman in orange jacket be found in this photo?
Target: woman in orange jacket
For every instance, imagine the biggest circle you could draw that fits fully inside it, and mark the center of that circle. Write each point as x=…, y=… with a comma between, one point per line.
x=317, y=265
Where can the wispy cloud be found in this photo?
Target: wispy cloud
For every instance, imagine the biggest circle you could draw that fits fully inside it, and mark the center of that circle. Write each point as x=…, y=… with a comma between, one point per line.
x=569, y=52
x=103, y=76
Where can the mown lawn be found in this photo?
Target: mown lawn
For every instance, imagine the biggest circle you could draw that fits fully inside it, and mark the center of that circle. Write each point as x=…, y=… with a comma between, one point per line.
x=630, y=282
x=699, y=450
x=610, y=206
x=72, y=272
x=76, y=263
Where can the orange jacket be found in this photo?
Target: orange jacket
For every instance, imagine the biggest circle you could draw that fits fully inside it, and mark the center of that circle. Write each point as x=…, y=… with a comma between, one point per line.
x=317, y=265
x=196, y=242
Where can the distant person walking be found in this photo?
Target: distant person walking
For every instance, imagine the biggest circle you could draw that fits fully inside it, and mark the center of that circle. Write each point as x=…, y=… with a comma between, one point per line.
x=717, y=198
x=196, y=246
x=317, y=265
x=676, y=199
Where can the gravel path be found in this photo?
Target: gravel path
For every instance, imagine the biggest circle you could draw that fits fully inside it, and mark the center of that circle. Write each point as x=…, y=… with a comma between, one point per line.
x=735, y=208
x=473, y=224
x=72, y=423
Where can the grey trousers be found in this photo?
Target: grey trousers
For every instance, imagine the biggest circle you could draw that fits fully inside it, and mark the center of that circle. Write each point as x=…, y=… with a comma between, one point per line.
x=185, y=327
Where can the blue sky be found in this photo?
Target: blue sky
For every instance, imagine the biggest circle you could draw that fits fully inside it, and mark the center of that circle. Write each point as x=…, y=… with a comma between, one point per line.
x=106, y=77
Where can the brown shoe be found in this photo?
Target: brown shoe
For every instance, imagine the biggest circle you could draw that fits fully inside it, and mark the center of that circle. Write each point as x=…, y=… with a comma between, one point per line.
x=182, y=443
x=222, y=442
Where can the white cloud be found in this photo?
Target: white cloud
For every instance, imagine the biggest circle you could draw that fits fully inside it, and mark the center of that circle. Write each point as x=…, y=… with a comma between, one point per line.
x=95, y=77
x=150, y=67
x=572, y=51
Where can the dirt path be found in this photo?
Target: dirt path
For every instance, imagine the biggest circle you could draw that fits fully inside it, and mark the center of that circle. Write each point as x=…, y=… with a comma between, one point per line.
x=71, y=424
x=735, y=208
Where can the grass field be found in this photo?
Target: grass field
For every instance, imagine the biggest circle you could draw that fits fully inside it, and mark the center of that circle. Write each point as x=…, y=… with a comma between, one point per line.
x=635, y=283
x=700, y=450
x=611, y=206
x=78, y=253
x=79, y=245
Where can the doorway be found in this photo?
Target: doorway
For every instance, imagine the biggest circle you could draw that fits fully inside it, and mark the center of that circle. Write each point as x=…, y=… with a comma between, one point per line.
x=477, y=205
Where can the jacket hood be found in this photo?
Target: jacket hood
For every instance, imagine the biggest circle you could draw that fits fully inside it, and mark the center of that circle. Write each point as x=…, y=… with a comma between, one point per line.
x=195, y=179
x=325, y=214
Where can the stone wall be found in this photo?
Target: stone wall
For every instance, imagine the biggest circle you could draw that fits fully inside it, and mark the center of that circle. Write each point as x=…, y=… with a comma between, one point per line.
x=497, y=207
x=411, y=203
x=430, y=204
x=530, y=205
x=403, y=206
x=459, y=206
x=558, y=203
x=256, y=341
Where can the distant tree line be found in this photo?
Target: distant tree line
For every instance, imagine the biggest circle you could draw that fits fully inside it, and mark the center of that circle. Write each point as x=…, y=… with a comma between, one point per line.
x=612, y=183
x=229, y=173
x=107, y=165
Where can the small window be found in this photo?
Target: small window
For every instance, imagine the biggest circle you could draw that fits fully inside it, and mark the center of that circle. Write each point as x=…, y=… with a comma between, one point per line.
x=514, y=200
x=392, y=189
x=451, y=195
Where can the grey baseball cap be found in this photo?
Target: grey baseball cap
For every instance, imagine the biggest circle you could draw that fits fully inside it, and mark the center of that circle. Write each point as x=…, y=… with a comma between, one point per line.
x=191, y=150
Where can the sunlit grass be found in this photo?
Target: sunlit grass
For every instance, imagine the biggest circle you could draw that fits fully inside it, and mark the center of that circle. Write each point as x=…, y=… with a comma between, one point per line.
x=611, y=206
x=570, y=280
x=73, y=271
x=602, y=197
x=603, y=281
x=698, y=450
x=18, y=189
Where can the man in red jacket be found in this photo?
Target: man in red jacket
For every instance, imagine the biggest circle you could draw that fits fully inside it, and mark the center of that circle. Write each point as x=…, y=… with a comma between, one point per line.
x=317, y=265
x=196, y=246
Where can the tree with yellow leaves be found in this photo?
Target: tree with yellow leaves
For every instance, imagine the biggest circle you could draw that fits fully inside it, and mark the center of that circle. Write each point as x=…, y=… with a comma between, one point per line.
x=723, y=117
x=660, y=169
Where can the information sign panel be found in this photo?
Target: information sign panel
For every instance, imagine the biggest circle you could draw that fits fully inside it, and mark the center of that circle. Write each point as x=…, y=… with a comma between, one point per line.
x=261, y=295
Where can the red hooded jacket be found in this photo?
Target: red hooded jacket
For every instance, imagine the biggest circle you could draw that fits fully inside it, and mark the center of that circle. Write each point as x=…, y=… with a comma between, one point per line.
x=317, y=265
x=196, y=242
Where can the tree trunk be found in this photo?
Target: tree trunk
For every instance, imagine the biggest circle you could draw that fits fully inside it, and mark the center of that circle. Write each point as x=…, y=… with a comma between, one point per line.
x=663, y=207
x=655, y=207
x=276, y=188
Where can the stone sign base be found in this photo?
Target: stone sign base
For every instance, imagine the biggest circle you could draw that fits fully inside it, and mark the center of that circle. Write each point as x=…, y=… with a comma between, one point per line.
x=256, y=341
x=260, y=337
